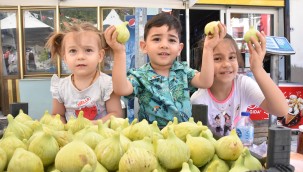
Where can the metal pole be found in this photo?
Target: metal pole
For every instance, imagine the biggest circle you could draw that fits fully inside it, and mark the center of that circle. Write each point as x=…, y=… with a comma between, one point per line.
x=274, y=74
x=187, y=43
x=140, y=57
x=141, y=18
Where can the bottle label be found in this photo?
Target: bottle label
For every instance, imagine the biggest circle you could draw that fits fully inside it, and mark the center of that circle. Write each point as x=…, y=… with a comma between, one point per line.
x=246, y=134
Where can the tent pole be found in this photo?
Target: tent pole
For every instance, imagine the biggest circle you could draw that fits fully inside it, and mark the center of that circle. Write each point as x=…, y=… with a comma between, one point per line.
x=21, y=53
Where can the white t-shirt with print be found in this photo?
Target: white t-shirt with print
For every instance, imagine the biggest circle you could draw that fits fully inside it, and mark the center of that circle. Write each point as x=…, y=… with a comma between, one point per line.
x=223, y=115
x=90, y=100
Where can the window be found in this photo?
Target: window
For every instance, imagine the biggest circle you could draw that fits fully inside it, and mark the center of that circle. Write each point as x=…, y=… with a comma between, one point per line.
x=9, y=42
x=38, y=25
x=240, y=24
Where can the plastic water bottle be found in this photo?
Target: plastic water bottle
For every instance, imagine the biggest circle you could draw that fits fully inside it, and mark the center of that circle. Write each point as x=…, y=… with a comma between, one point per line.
x=245, y=129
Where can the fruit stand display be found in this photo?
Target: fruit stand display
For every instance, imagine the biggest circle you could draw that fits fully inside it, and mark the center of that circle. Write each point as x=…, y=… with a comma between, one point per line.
x=116, y=145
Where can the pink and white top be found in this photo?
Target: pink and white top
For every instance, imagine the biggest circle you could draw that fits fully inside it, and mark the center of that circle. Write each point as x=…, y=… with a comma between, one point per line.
x=224, y=115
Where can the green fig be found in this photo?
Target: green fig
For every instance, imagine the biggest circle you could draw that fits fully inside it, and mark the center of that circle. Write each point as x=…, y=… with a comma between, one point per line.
x=250, y=161
x=252, y=32
x=123, y=33
x=210, y=28
x=239, y=165
x=45, y=147
x=109, y=152
x=201, y=150
x=192, y=167
x=213, y=167
x=24, y=160
x=216, y=165
x=74, y=156
x=3, y=159
x=172, y=152
x=185, y=167
x=229, y=147
x=138, y=159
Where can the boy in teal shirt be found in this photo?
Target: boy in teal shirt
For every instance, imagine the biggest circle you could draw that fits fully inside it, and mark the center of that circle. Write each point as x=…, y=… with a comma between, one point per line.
x=163, y=85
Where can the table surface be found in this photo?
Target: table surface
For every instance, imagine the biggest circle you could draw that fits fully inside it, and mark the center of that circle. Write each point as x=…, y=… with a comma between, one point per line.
x=296, y=160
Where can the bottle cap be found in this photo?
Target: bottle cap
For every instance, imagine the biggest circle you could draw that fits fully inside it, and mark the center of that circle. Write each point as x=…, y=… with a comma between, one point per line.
x=245, y=114
x=301, y=128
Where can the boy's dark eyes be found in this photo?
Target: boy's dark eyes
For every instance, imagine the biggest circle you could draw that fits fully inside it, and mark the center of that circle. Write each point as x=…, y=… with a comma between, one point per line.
x=172, y=40
x=156, y=39
x=159, y=39
x=232, y=57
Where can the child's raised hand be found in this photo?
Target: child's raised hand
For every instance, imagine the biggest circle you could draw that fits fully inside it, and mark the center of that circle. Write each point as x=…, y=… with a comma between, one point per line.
x=219, y=33
x=257, y=51
x=110, y=35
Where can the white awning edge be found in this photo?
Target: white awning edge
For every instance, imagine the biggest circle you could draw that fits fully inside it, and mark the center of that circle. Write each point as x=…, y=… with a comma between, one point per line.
x=175, y=4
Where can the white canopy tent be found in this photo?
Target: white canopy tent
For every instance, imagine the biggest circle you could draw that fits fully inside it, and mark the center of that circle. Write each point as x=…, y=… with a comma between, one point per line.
x=34, y=29
x=112, y=18
x=31, y=22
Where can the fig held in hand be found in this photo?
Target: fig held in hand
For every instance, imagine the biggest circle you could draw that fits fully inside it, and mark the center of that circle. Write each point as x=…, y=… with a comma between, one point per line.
x=252, y=32
x=210, y=28
x=123, y=33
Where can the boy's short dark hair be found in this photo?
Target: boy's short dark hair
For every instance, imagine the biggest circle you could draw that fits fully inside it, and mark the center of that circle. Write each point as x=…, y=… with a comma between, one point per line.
x=163, y=19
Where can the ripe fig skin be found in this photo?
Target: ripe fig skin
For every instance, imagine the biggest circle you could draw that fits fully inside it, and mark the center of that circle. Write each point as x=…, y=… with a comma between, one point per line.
x=123, y=33
x=210, y=28
x=252, y=32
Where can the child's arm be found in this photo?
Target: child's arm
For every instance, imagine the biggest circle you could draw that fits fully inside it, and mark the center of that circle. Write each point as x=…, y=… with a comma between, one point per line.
x=205, y=78
x=113, y=107
x=274, y=102
x=59, y=108
x=121, y=84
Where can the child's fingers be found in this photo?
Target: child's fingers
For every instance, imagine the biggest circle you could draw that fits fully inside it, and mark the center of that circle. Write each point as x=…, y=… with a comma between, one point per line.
x=256, y=44
x=114, y=36
x=108, y=32
x=114, y=33
x=250, y=47
x=262, y=38
x=222, y=29
x=252, y=53
x=105, y=33
x=216, y=31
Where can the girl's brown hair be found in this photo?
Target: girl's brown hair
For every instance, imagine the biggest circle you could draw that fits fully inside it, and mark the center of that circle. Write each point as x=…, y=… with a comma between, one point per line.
x=227, y=36
x=55, y=40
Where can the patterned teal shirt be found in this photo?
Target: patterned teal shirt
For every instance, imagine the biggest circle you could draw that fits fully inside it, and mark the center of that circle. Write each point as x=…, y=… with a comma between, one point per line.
x=162, y=98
